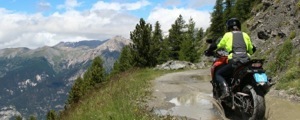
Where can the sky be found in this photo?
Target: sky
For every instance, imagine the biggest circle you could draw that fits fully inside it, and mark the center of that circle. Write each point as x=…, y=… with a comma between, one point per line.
x=38, y=23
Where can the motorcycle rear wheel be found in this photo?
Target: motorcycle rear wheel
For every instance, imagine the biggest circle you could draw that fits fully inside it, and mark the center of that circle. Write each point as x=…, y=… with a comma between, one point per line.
x=254, y=104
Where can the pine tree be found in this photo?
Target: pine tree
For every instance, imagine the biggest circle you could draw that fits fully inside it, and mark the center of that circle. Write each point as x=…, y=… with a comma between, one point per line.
x=51, y=115
x=185, y=48
x=18, y=117
x=176, y=37
x=95, y=73
x=98, y=71
x=77, y=91
x=125, y=60
x=141, y=38
x=32, y=117
x=188, y=49
x=164, y=54
x=242, y=9
x=200, y=47
x=156, y=44
x=228, y=10
x=116, y=67
x=217, y=25
x=200, y=35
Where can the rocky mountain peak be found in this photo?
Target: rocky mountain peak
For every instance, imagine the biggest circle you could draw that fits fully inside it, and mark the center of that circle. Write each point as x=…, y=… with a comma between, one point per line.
x=12, y=52
x=114, y=44
x=83, y=43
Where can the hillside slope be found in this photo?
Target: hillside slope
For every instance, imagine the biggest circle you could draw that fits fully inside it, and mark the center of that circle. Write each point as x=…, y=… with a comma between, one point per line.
x=274, y=29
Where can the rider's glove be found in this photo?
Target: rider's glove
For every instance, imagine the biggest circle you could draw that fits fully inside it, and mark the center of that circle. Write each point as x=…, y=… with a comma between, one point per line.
x=208, y=53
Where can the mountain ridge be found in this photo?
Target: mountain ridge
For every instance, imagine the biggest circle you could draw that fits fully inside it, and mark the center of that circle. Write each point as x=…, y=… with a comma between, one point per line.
x=42, y=77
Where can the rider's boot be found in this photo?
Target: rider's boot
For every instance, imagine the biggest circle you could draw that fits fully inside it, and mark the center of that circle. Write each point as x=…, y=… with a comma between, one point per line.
x=224, y=89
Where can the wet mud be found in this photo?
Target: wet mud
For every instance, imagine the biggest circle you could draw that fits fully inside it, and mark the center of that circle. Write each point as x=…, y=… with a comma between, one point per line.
x=188, y=95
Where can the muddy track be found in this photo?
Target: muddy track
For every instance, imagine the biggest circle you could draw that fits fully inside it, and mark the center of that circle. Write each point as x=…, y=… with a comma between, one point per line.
x=188, y=95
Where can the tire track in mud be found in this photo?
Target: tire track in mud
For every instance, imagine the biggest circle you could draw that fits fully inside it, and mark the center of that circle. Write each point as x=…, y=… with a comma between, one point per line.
x=187, y=95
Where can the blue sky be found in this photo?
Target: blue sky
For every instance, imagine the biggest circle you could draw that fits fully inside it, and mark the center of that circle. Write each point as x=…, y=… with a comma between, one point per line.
x=37, y=23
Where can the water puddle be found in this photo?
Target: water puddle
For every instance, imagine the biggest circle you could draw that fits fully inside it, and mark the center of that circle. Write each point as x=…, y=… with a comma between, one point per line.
x=198, y=106
x=279, y=109
x=189, y=95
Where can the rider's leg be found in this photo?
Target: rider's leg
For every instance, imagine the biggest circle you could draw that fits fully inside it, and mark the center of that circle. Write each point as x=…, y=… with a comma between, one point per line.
x=225, y=71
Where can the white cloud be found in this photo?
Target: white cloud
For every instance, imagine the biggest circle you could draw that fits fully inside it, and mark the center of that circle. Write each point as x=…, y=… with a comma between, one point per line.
x=200, y=3
x=101, y=5
x=36, y=30
x=103, y=20
x=137, y=5
x=69, y=5
x=172, y=2
x=42, y=6
x=167, y=17
x=189, y=3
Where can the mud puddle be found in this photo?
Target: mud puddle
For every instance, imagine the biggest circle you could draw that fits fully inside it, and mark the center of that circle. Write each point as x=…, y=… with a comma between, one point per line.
x=280, y=109
x=185, y=94
x=188, y=95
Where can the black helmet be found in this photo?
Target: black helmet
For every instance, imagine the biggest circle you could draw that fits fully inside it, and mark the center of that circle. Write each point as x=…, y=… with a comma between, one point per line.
x=233, y=24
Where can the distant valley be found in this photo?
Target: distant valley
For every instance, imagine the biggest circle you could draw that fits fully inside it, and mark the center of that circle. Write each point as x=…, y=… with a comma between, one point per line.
x=32, y=82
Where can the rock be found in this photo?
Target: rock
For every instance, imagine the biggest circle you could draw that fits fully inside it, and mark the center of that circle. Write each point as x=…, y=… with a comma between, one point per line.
x=267, y=3
x=281, y=34
x=278, y=33
x=176, y=65
x=262, y=35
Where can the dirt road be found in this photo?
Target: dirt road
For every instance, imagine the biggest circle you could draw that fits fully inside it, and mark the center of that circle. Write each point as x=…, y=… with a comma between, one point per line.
x=184, y=94
x=188, y=95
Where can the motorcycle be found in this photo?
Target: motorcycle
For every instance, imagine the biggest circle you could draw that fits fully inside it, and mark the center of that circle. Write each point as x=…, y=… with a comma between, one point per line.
x=247, y=86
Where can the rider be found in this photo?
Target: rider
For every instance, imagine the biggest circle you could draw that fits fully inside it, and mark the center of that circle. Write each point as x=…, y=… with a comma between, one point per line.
x=239, y=47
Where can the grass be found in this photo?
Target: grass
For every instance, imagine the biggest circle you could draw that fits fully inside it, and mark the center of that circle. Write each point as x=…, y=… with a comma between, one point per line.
x=292, y=35
x=290, y=81
x=245, y=28
x=121, y=99
x=285, y=66
x=281, y=58
x=258, y=7
x=298, y=5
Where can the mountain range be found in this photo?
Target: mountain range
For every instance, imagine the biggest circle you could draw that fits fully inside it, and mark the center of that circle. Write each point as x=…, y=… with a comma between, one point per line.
x=34, y=81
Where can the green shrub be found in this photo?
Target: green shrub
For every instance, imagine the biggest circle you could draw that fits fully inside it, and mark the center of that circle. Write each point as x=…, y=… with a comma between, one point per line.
x=290, y=81
x=245, y=28
x=298, y=5
x=283, y=55
x=259, y=7
x=292, y=35
x=291, y=74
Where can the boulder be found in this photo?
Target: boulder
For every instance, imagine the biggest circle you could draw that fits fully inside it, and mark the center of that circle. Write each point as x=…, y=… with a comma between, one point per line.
x=262, y=35
x=176, y=65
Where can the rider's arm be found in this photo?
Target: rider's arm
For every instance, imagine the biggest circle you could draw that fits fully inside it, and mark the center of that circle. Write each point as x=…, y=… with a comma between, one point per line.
x=212, y=46
x=248, y=43
x=225, y=39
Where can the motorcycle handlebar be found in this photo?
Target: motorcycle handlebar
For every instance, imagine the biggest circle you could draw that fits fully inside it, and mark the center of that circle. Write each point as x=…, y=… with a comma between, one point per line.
x=217, y=53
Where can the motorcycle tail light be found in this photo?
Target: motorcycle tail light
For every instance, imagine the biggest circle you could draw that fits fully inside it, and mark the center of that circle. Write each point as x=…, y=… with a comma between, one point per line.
x=256, y=65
